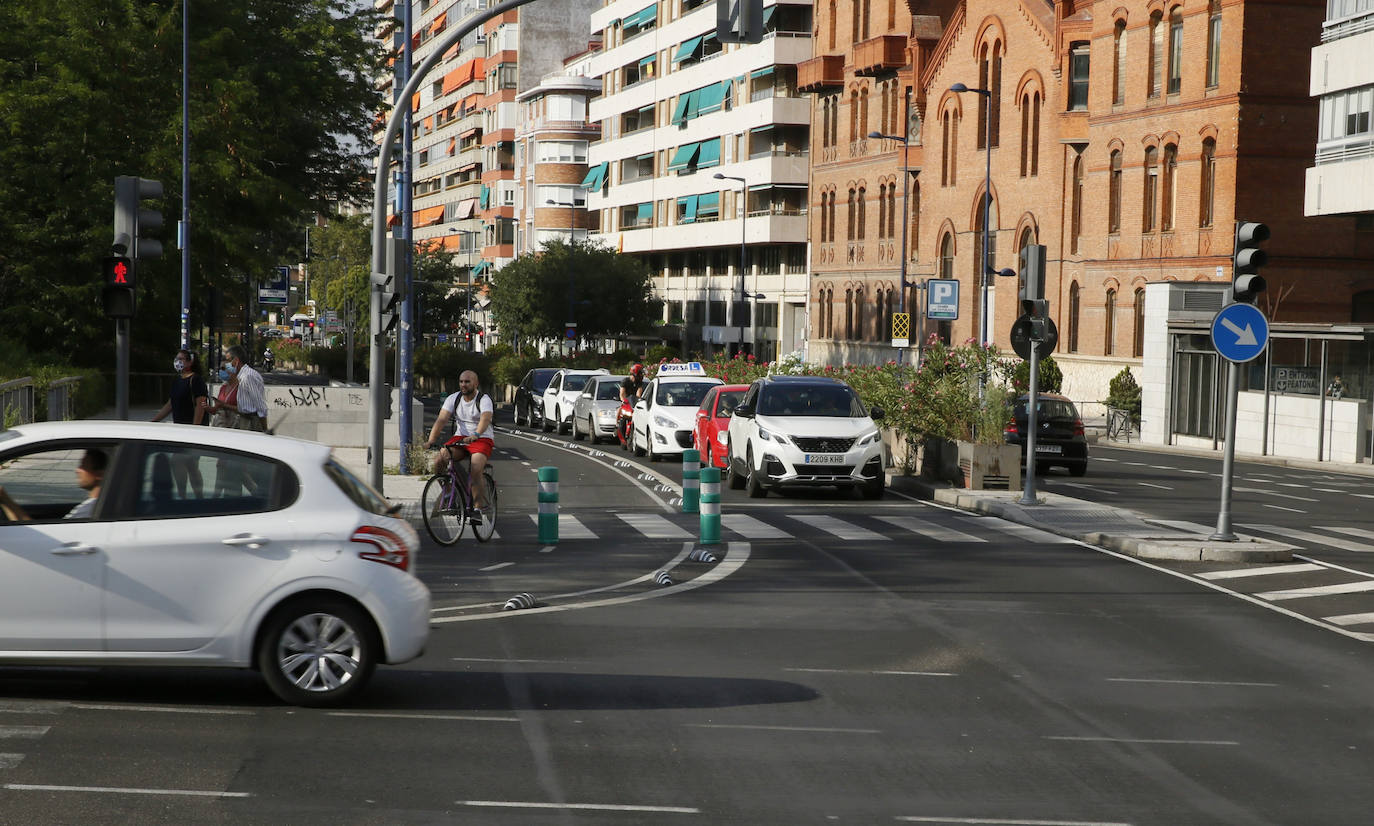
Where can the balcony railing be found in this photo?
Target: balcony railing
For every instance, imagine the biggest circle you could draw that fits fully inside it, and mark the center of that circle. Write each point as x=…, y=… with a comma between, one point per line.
x=876, y=55
x=1351, y=151
x=1348, y=27
x=820, y=73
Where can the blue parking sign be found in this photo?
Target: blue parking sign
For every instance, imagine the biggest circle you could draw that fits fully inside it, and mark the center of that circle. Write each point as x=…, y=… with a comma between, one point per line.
x=942, y=299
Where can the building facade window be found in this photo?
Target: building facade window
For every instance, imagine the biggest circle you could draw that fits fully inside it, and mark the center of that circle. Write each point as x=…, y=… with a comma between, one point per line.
x=1208, y=185
x=1138, y=327
x=863, y=212
x=947, y=256
x=1030, y=135
x=1079, y=65
x=1074, y=297
x=1109, y=328
x=1149, y=202
x=1119, y=63
x=1213, y=44
x=1169, y=188
x=1175, y=51
x=1155, y=70
x=1114, y=194
x=1076, y=199
x=831, y=21
x=882, y=211
x=891, y=210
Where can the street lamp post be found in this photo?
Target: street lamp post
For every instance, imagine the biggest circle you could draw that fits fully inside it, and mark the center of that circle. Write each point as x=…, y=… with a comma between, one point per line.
x=906, y=217
x=743, y=215
x=986, y=270
x=572, y=289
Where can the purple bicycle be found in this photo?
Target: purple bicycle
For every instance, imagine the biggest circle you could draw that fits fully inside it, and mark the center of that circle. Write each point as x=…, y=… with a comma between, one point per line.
x=448, y=505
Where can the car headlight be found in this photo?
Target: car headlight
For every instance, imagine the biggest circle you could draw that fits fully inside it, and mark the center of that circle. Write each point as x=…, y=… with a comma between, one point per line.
x=605, y=414
x=664, y=421
x=722, y=436
x=774, y=437
x=872, y=437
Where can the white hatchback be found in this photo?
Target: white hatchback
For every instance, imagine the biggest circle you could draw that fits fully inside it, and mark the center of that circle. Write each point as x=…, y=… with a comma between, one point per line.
x=560, y=397
x=204, y=547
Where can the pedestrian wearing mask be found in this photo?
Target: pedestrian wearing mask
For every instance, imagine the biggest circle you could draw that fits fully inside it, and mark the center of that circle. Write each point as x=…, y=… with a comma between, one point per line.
x=224, y=409
x=251, y=393
x=187, y=405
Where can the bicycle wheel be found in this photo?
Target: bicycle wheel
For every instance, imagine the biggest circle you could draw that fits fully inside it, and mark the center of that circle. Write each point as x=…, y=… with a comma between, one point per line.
x=444, y=510
x=484, y=528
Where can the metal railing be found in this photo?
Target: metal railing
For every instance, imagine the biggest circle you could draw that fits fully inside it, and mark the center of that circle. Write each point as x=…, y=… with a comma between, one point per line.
x=62, y=399
x=16, y=402
x=1121, y=425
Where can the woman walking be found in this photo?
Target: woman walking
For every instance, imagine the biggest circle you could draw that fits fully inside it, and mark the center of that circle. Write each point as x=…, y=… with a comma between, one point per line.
x=187, y=404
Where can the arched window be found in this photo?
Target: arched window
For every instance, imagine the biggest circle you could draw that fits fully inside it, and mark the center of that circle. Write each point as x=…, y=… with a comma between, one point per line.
x=1175, y=51
x=946, y=148
x=892, y=210
x=848, y=314
x=824, y=209
x=863, y=209
x=1026, y=238
x=1073, y=317
x=1138, y=328
x=947, y=256
x=1149, y=200
x=855, y=20
x=853, y=115
x=1213, y=44
x=850, y=235
x=882, y=210
x=1109, y=330
x=1170, y=189
x=1155, y=70
x=1119, y=63
x=1030, y=134
x=990, y=78
x=1208, y=185
x=863, y=112
x=832, y=216
x=1114, y=194
x=1076, y=215
x=825, y=121
x=867, y=8
x=879, y=314
x=857, y=315
x=830, y=312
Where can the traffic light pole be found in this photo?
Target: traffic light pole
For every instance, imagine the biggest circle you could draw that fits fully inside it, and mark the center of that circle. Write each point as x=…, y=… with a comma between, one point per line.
x=122, y=369
x=1228, y=461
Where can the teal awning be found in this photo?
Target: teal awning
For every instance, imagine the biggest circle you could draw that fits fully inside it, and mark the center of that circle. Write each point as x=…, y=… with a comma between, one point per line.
x=485, y=198
x=641, y=17
x=712, y=98
x=757, y=73
x=648, y=60
x=689, y=208
x=709, y=155
x=686, y=107
x=687, y=49
x=684, y=156
x=482, y=267
x=768, y=14
x=708, y=204
x=596, y=176
x=644, y=212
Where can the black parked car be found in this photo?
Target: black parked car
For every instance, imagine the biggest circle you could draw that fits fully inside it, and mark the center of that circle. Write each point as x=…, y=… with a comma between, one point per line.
x=1059, y=438
x=529, y=396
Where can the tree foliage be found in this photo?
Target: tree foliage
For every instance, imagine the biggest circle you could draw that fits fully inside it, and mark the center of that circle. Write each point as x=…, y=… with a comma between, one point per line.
x=609, y=292
x=281, y=101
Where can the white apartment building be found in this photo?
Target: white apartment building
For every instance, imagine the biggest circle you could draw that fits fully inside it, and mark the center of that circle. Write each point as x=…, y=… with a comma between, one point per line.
x=551, y=157
x=687, y=126
x=1342, y=182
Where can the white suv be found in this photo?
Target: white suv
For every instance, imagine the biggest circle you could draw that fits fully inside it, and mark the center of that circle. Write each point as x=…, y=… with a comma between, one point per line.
x=560, y=397
x=805, y=430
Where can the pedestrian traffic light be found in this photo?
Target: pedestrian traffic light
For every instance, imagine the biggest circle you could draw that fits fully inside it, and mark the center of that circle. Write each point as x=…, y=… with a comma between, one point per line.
x=387, y=285
x=1246, y=282
x=131, y=222
x=119, y=292
x=739, y=21
x=1032, y=271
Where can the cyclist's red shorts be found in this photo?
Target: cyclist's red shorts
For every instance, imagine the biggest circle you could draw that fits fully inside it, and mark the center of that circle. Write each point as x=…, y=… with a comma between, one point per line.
x=483, y=446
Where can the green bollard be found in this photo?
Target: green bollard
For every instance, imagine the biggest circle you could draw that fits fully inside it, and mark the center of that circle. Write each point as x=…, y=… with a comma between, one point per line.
x=710, y=506
x=691, y=480
x=548, y=505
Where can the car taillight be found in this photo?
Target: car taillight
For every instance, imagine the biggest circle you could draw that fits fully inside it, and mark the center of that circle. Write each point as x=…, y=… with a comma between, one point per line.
x=390, y=548
x=1078, y=427
x=1012, y=429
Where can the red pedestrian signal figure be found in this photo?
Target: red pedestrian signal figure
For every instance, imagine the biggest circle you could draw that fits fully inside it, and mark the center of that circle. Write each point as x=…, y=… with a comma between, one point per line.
x=119, y=271
x=118, y=294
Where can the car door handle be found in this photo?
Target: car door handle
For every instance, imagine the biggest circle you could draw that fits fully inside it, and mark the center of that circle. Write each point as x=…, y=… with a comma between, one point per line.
x=75, y=549
x=247, y=539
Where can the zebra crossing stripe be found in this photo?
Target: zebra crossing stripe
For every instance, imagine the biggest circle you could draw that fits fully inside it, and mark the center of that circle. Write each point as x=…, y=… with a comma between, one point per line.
x=937, y=532
x=1028, y=533
x=22, y=732
x=1308, y=536
x=840, y=528
x=1360, y=532
x=1267, y=570
x=1318, y=591
x=751, y=528
x=568, y=527
x=654, y=526
x=1351, y=619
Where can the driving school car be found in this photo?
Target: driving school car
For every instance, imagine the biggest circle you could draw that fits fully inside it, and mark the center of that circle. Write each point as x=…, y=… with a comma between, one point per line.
x=665, y=418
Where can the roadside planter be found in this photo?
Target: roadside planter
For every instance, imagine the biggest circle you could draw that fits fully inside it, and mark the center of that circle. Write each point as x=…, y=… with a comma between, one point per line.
x=990, y=466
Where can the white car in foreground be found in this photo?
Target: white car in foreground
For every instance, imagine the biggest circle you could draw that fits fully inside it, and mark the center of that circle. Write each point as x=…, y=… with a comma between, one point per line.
x=665, y=417
x=805, y=431
x=205, y=547
x=560, y=397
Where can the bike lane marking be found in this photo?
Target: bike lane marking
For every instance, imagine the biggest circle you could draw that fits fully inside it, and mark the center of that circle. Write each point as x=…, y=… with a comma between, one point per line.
x=586, y=454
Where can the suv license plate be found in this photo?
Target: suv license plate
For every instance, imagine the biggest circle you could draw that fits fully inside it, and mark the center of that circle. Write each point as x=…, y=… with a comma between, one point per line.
x=824, y=459
x=1049, y=449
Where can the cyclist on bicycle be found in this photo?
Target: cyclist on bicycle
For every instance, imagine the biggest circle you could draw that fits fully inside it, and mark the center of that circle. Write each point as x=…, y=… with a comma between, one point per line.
x=471, y=411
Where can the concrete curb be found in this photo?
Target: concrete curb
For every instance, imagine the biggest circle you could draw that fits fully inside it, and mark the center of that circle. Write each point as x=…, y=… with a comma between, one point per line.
x=1081, y=520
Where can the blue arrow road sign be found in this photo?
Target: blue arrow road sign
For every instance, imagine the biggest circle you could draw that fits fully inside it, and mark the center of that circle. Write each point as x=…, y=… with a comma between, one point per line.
x=1240, y=332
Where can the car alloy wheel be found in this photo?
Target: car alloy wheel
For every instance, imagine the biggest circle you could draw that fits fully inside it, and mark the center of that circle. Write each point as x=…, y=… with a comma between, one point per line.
x=736, y=481
x=318, y=651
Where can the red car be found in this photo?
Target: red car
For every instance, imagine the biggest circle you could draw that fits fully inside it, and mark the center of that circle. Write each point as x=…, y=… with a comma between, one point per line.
x=713, y=418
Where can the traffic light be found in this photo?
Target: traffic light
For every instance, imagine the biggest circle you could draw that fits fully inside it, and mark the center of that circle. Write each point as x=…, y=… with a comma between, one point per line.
x=119, y=294
x=739, y=21
x=388, y=285
x=1246, y=282
x=1032, y=267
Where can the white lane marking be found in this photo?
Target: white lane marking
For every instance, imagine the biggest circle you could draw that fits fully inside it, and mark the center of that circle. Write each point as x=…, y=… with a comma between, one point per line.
x=879, y=673
x=937, y=532
x=568, y=527
x=1189, y=682
x=547, y=549
x=9, y=761
x=1276, y=493
x=1147, y=741
x=29, y=787
x=506, y=660
x=596, y=807
x=25, y=707
x=161, y=709
x=526, y=464
x=736, y=555
x=1360, y=532
x=997, y=821
x=1027, y=532
x=751, y=528
x=817, y=729
x=1267, y=570
x=1364, y=495
x=1308, y=536
x=22, y=732
x=477, y=718
x=1330, y=490
x=1189, y=470
x=1318, y=591
x=654, y=526
x=609, y=464
x=1351, y=619
x=1281, y=508
x=1086, y=487
x=498, y=566
x=839, y=528
x=1152, y=485
x=1162, y=467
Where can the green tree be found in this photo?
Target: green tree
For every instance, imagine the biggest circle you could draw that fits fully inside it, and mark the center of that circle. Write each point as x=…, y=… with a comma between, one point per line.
x=281, y=101
x=610, y=292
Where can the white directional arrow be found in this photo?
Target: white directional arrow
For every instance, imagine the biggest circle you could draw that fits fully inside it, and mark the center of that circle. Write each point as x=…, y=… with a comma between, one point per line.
x=1244, y=337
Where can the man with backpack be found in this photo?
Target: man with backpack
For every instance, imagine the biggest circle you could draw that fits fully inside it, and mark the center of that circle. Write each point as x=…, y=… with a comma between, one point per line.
x=471, y=412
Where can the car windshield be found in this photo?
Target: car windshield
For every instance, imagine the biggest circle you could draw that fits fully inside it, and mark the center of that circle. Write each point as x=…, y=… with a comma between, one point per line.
x=810, y=400
x=681, y=394
x=541, y=379
x=1048, y=409
x=608, y=391
x=574, y=382
x=728, y=400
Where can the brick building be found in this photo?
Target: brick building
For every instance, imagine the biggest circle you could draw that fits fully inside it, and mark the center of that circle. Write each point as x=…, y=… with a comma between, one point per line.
x=1126, y=137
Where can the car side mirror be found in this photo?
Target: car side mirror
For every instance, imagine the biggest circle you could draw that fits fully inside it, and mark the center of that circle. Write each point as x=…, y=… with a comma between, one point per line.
x=744, y=411
x=641, y=405
x=875, y=413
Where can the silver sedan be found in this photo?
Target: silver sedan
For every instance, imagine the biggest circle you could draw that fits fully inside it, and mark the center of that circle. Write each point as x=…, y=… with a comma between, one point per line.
x=594, y=413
